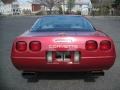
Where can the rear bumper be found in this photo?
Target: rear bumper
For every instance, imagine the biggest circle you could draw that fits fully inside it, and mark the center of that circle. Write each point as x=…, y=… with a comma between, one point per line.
x=40, y=64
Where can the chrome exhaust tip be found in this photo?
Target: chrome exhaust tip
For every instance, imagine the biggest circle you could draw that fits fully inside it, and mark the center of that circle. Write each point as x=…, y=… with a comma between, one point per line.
x=49, y=57
x=76, y=57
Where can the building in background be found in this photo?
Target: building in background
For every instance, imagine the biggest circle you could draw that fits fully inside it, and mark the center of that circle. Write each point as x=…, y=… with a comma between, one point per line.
x=25, y=8
x=1, y=4
x=10, y=8
x=30, y=8
x=36, y=7
x=84, y=6
x=15, y=7
x=7, y=1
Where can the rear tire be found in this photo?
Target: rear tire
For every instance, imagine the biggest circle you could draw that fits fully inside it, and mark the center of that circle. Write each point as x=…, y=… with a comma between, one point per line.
x=98, y=73
x=30, y=76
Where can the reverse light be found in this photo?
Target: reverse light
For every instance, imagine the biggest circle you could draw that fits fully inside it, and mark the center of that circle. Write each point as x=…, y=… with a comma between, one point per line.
x=49, y=57
x=35, y=46
x=21, y=46
x=105, y=45
x=76, y=57
x=91, y=45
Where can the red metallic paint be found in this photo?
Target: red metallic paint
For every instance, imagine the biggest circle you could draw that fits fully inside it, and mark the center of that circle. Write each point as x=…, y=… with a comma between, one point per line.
x=89, y=61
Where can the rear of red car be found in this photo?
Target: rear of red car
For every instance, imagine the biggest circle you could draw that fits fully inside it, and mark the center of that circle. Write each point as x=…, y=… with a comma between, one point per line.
x=63, y=43
x=63, y=53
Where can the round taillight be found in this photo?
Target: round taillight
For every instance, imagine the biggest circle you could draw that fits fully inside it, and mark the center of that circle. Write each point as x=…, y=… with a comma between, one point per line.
x=35, y=46
x=91, y=45
x=21, y=46
x=105, y=45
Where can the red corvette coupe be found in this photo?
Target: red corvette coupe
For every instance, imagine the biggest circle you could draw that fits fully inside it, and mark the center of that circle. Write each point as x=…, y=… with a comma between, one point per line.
x=63, y=44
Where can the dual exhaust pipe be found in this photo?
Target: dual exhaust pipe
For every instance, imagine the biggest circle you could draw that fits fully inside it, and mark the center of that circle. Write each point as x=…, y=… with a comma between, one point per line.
x=63, y=56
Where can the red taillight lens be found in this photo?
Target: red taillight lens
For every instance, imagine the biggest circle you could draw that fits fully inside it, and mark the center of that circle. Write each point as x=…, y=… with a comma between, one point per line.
x=35, y=46
x=21, y=46
x=105, y=45
x=91, y=45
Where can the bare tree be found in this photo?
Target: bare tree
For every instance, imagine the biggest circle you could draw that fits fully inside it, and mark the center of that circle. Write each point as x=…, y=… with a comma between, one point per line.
x=0, y=4
x=49, y=3
x=7, y=1
x=70, y=5
x=94, y=1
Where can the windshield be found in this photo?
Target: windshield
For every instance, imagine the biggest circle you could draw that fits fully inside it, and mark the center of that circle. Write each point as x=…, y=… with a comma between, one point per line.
x=62, y=23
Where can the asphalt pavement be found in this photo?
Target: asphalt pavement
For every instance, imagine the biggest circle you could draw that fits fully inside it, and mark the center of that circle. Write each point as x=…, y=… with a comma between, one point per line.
x=11, y=79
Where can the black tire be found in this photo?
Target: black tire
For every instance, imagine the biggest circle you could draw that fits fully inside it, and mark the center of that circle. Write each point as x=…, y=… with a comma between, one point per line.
x=30, y=76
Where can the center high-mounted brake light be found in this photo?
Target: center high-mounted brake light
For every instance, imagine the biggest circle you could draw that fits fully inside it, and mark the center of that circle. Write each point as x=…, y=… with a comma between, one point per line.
x=91, y=45
x=35, y=46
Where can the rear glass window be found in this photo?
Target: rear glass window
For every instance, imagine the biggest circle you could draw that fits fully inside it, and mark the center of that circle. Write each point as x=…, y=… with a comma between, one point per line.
x=62, y=23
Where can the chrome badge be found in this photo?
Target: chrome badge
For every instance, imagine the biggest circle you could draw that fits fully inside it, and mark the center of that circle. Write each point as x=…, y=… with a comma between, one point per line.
x=64, y=40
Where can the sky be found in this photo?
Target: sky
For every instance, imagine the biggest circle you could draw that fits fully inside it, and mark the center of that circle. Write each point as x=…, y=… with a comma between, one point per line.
x=24, y=1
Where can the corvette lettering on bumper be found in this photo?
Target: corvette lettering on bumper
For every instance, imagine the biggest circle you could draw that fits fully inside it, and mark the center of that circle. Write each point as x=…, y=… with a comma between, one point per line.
x=63, y=46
